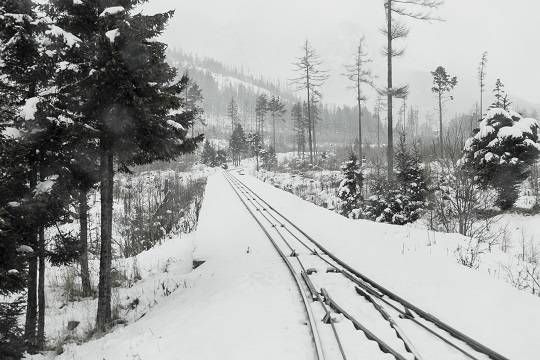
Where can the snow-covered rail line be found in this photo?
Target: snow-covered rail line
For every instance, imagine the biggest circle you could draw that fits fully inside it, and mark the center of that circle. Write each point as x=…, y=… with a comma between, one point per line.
x=398, y=328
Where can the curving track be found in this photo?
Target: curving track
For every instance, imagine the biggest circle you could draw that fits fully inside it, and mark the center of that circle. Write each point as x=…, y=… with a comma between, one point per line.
x=351, y=316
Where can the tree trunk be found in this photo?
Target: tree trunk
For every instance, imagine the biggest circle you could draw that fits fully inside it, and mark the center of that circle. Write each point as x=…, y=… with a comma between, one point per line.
x=31, y=304
x=314, y=140
x=310, y=138
x=257, y=158
x=103, y=318
x=83, y=258
x=378, y=131
x=274, y=131
x=390, y=145
x=440, y=124
x=31, y=301
x=359, y=121
x=41, y=291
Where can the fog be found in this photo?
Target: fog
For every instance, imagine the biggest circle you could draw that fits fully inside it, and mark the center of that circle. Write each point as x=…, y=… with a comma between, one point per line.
x=264, y=37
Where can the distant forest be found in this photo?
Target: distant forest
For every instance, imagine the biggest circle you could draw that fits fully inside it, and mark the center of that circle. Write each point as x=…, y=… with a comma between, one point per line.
x=221, y=83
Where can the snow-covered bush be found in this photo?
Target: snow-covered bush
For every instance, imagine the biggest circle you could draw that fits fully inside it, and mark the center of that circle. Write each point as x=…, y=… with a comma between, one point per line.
x=153, y=205
x=501, y=153
x=350, y=188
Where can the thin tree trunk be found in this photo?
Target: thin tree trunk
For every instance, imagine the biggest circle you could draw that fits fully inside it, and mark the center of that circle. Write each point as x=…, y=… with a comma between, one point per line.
x=440, y=124
x=309, y=119
x=390, y=146
x=31, y=301
x=41, y=291
x=314, y=139
x=274, y=131
x=359, y=121
x=103, y=318
x=83, y=258
x=378, y=131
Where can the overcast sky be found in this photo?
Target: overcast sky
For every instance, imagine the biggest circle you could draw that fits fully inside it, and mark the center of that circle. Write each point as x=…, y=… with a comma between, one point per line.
x=265, y=37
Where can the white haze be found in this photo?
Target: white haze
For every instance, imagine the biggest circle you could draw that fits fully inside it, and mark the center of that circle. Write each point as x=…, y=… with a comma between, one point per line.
x=264, y=37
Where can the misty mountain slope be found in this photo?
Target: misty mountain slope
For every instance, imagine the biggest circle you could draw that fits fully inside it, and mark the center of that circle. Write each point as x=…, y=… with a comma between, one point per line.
x=220, y=83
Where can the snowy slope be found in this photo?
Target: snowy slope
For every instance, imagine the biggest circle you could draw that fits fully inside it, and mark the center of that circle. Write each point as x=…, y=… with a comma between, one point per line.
x=242, y=304
x=420, y=266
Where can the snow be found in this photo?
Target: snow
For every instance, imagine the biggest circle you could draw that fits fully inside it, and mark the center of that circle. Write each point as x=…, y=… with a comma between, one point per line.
x=19, y=18
x=11, y=132
x=45, y=186
x=420, y=266
x=29, y=109
x=112, y=35
x=242, y=304
x=175, y=125
x=113, y=10
x=70, y=39
x=239, y=304
x=66, y=65
x=25, y=249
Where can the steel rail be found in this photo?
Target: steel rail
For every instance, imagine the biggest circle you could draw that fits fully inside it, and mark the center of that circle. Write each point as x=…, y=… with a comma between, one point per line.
x=386, y=292
x=325, y=299
x=313, y=327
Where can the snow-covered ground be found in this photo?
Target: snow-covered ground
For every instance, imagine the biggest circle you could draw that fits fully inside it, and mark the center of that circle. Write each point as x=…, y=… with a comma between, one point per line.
x=242, y=304
x=239, y=304
x=420, y=266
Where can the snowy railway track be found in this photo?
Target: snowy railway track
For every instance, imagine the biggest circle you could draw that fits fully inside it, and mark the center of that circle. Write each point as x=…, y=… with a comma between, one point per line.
x=342, y=304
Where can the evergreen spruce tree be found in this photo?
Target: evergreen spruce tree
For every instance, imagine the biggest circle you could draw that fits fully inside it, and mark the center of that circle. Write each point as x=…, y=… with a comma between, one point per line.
x=255, y=146
x=24, y=71
x=238, y=144
x=208, y=155
x=502, y=151
x=403, y=199
x=261, y=109
x=299, y=127
x=232, y=113
x=276, y=108
x=411, y=180
x=221, y=158
x=194, y=99
x=350, y=188
x=501, y=98
x=132, y=103
x=268, y=158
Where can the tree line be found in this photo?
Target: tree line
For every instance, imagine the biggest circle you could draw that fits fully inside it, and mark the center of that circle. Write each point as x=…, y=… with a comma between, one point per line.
x=85, y=92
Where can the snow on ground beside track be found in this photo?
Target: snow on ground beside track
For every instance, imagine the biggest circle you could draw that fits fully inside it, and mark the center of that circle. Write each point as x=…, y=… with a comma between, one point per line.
x=421, y=267
x=147, y=279
x=241, y=303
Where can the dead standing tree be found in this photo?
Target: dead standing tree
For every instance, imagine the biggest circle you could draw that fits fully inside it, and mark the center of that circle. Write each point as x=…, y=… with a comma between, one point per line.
x=415, y=9
x=310, y=78
x=358, y=75
x=482, y=79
